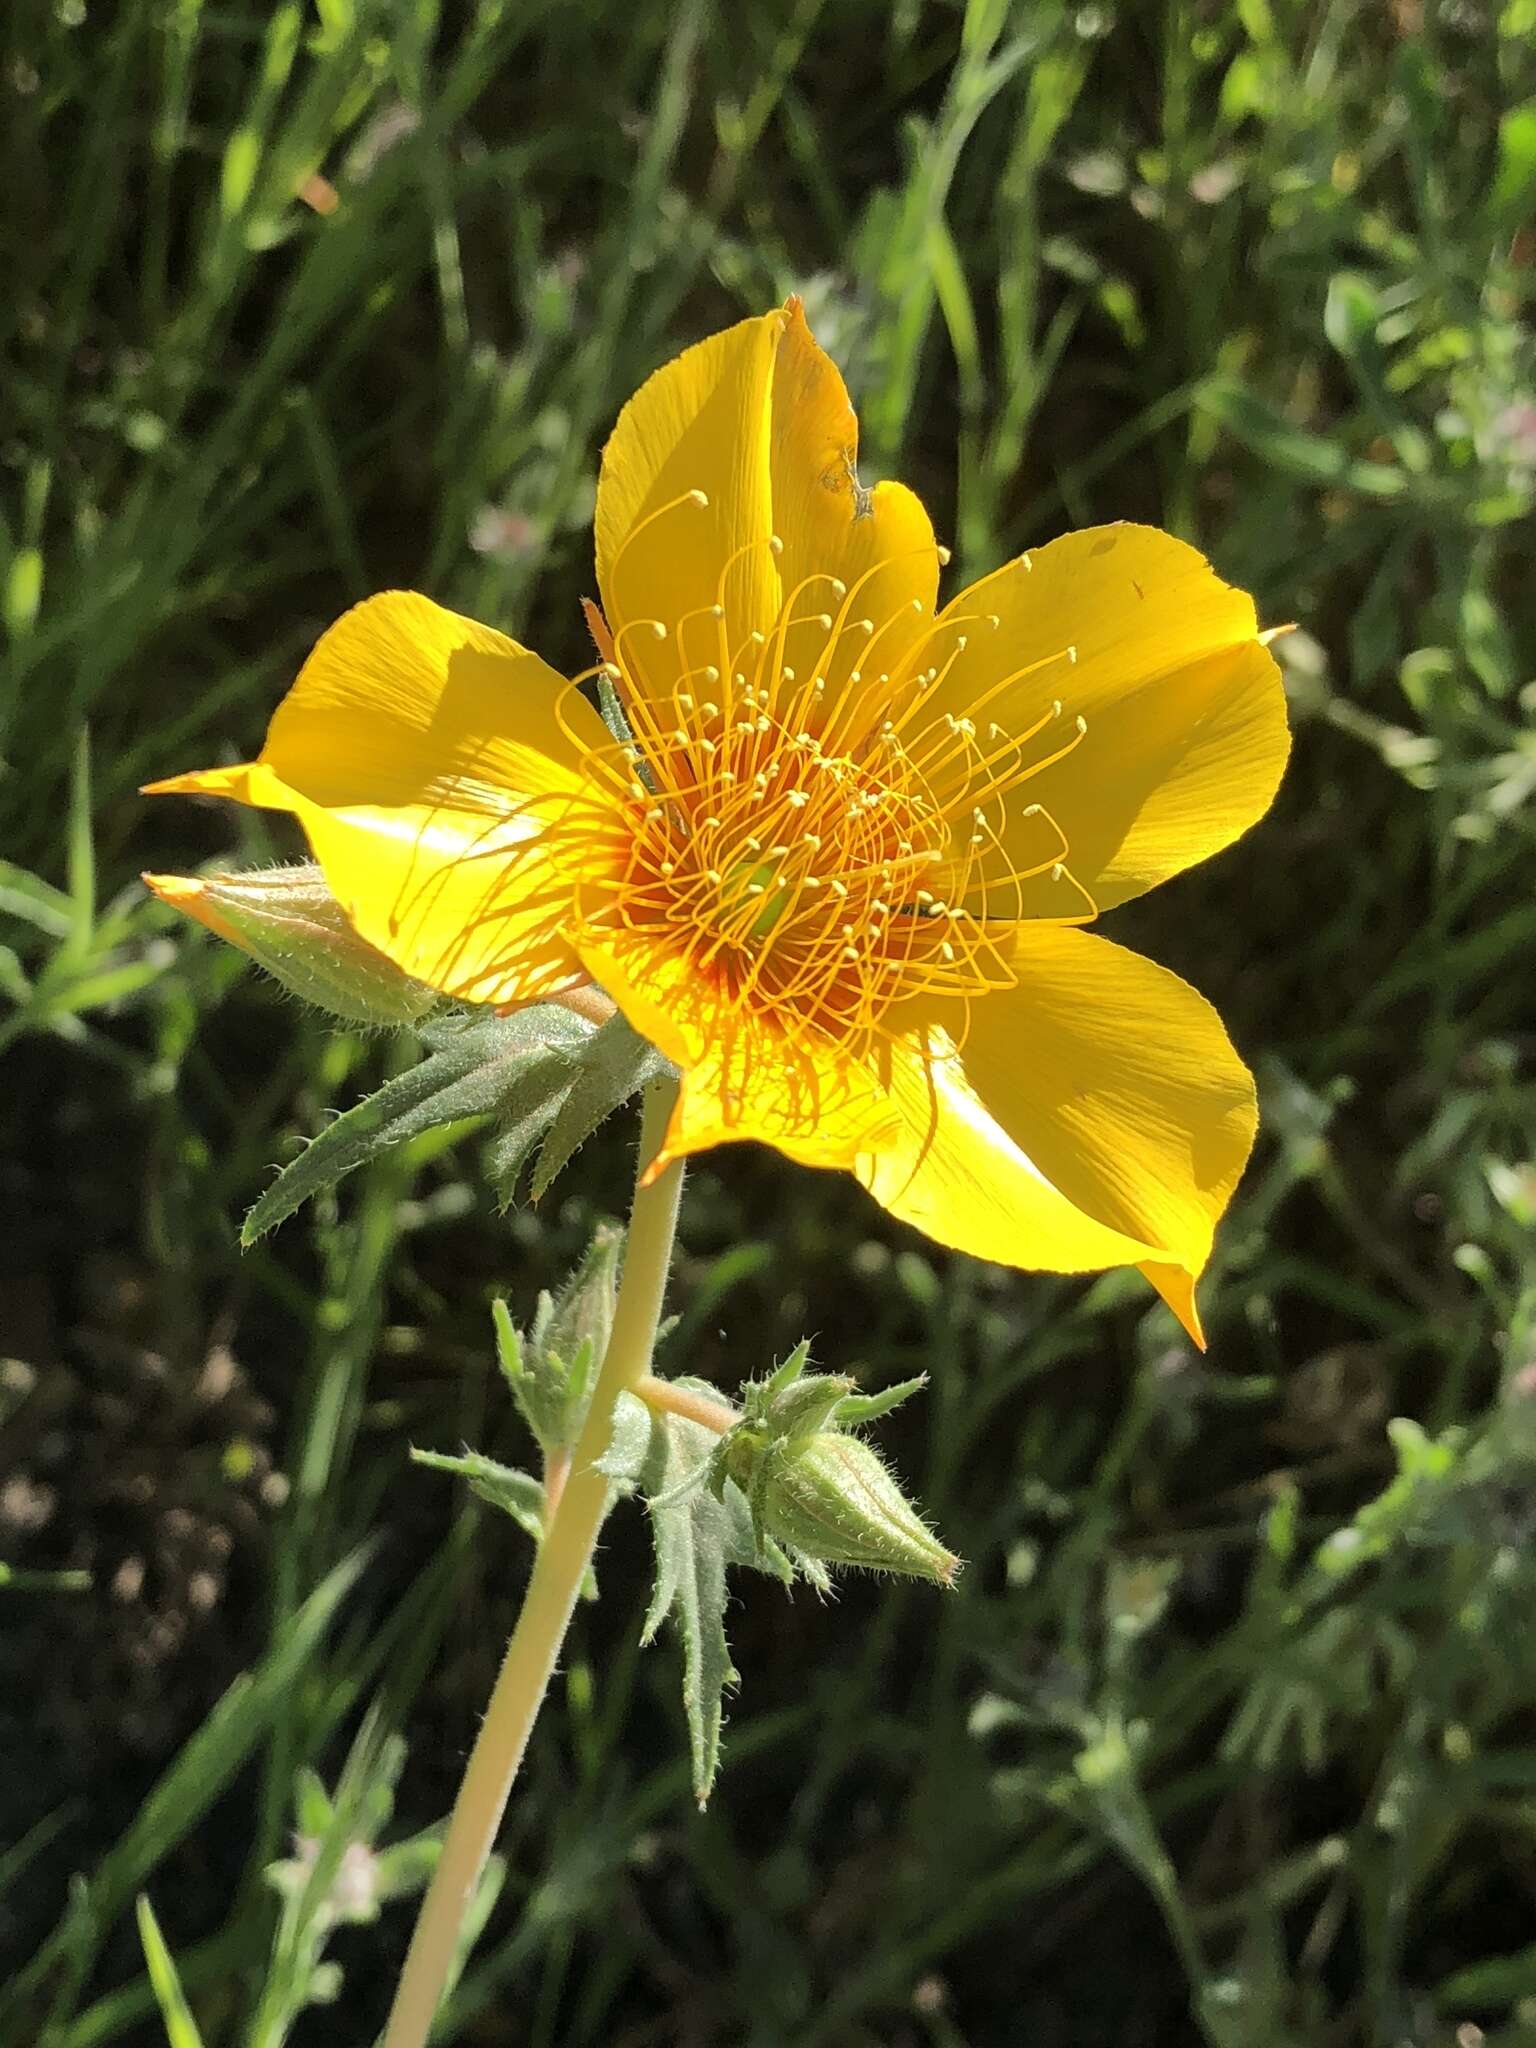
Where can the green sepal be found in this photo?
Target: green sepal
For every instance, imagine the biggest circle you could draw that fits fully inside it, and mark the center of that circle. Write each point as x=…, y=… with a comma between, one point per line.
x=822, y=1494
x=291, y=925
x=860, y=1408
x=833, y=1498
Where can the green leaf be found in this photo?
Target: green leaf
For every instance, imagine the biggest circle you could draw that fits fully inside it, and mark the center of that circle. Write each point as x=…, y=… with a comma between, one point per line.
x=695, y=1537
x=477, y=1066
x=516, y=1493
x=624, y=1459
x=180, y=2027
x=615, y=1064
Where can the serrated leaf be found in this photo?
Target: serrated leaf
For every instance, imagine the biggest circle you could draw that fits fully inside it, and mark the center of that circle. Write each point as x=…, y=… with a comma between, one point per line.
x=478, y=1066
x=615, y=1064
x=516, y=1493
x=695, y=1536
x=523, y=1119
x=180, y=2027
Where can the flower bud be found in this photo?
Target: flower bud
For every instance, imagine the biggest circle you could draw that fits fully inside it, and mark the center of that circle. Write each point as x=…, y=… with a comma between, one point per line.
x=552, y=1366
x=831, y=1497
x=290, y=924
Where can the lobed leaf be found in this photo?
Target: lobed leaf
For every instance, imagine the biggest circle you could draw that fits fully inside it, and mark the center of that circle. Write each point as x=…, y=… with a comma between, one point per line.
x=695, y=1537
x=479, y=1066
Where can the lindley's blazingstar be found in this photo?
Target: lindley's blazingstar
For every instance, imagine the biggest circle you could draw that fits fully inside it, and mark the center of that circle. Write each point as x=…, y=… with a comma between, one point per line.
x=838, y=862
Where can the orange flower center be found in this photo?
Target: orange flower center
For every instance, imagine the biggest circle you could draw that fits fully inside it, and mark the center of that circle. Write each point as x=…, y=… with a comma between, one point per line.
x=811, y=859
x=803, y=823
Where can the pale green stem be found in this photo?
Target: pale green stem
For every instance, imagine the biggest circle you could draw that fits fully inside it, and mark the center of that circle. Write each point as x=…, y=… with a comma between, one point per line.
x=556, y=1580
x=675, y=1400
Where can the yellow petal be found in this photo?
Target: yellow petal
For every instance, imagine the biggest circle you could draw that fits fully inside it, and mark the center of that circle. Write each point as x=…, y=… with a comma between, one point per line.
x=756, y=421
x=699, y=428
x=1121, y=1084
x=959, y=1154
x=426, y=757
x=877, y=542
x=1185, y=736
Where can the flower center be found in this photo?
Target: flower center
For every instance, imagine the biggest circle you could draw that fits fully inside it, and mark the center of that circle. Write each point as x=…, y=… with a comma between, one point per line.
x=807, y=827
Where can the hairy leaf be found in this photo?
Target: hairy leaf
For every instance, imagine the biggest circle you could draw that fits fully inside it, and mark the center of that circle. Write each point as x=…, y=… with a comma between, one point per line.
x=615, y=1064
x=518, y=1494
x=478, y=1066
x=695, y=1536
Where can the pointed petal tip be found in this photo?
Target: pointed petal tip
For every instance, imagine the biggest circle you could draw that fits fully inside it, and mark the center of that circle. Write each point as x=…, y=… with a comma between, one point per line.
x=180, y=890
x=233, y=782
x=1176, y=1285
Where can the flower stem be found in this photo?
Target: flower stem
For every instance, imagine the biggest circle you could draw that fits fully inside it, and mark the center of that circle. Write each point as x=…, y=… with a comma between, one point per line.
x=666, y=1394
x=558, y=1572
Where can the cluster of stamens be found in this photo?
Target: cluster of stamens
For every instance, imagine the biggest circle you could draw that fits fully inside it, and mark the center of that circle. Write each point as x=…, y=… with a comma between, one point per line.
x=804, y=824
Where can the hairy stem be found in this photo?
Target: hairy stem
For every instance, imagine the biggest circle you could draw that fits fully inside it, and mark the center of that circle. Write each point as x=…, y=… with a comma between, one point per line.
x=716, y=1415
x=557, y=1575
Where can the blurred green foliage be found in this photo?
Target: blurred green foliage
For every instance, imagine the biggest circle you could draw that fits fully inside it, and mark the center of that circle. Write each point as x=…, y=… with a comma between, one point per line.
x=1227, y=1736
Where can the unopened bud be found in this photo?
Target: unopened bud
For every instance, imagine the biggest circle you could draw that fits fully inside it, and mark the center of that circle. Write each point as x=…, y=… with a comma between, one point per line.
x=290, y=924
x=832, y=1498
x=551, y=1367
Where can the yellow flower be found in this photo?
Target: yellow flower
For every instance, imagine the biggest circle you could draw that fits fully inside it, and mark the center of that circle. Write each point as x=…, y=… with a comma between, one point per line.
x=841, y=874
